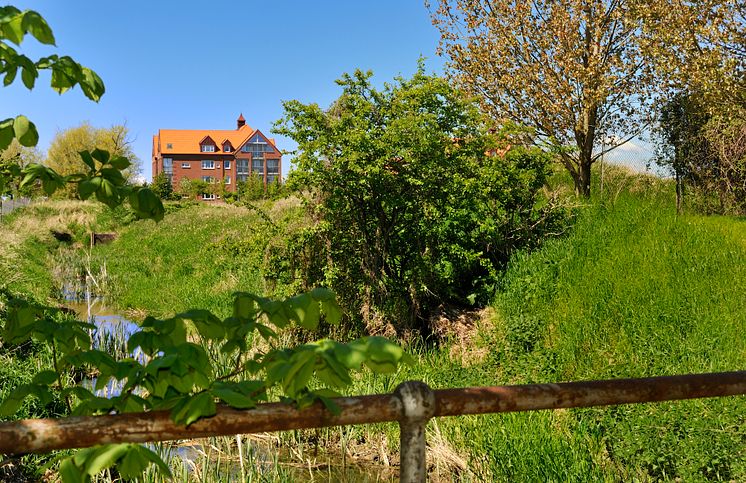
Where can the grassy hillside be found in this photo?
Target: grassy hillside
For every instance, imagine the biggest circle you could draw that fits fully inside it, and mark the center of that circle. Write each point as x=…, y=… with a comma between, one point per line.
x=632, y=290
x=196, y=257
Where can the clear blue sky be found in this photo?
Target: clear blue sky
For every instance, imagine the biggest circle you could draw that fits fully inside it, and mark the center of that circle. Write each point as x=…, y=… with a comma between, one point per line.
x=197, y=65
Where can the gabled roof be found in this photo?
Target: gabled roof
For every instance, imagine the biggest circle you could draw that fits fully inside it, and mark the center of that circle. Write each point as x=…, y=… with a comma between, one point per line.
x=253, y=133
x=187, y=141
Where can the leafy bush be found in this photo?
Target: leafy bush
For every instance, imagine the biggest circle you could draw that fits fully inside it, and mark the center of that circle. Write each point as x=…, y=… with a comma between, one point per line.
x=413, y=210
x=162, y=187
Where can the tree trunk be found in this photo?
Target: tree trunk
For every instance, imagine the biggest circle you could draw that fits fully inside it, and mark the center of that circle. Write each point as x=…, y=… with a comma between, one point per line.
x=583, y=185
x=679, y=193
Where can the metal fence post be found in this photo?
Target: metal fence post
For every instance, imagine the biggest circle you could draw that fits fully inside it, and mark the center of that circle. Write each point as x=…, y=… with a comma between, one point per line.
x=418, y=406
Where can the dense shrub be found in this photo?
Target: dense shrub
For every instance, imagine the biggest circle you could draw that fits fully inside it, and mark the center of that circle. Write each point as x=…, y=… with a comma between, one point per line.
x=704, y=147
x=412, y=209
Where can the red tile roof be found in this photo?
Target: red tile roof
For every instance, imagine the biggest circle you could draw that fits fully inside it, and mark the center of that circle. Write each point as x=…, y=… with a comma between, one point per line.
x=187, y=141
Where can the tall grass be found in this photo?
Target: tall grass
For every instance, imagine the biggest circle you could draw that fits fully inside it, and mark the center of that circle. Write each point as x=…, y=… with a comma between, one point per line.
x=196, y=257
x=632, y=291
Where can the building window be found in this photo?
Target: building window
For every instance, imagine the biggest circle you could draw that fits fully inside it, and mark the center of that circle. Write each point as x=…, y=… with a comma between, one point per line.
x=208, y=196
x=207, y=179
x=257, y=144
x=168, y=168
x=185, y=165
x=273, y=167
x=169, y=146
x=227, y=148
x=208, y=164
x=227, y=180
x=227, y=164
x=207, y=148
x=257, y=164
x=242, y=170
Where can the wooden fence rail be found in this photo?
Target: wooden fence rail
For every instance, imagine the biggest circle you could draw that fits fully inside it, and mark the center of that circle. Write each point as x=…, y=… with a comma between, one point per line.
x=412, y=405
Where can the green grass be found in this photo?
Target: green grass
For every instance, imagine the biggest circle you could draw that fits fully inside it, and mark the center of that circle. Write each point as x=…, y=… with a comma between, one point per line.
x=196, y=257
x=631, y=291
x=634, y=291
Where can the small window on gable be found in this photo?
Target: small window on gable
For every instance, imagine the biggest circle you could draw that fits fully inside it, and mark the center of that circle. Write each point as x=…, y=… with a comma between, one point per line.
x=207, y=148
x=227, y=148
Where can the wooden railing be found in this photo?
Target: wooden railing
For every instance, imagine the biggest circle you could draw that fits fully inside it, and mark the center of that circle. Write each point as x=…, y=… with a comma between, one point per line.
x=412, y=405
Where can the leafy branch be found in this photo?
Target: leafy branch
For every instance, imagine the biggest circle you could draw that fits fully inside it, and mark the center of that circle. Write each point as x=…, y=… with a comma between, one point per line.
x=173, y=371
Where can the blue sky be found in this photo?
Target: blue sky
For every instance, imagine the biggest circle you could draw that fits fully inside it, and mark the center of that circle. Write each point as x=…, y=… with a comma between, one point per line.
x=197, y=65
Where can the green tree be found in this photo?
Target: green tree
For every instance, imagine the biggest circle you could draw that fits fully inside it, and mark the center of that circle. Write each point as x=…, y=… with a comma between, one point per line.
x=580, y=71
x=412, y=212
x=682, y=145
x=193, y=187
x=63, y=155
x=18, y=156
x=252, y=189
x=162, y=186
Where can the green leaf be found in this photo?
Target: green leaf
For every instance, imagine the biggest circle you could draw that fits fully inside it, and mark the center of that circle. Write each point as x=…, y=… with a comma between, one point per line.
x=10, y=75
x=13, y=402
x=305, y=309
x=87, y=159
x=120, y=162
x=104, y=457
x=322, y=294
x=88, y=186
x=71, y=473
x=100, y=155
x=28, y=76
x=6, y=133
x=92, y=85
x=107, y=194
x=154, y=458
x=46, y=377
x=13, y=29
x=146, y=204
x=38, y=27
x=193, y=408
x=332, y=311
x=132, y=464
x=206, y=323
x=25, y=131
x=113, y=175
x=240, y=395
x=60, y=81
x=244, y=307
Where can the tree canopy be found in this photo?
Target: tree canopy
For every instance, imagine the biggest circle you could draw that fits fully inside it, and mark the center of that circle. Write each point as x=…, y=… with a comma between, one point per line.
x=579, y=71
x=413, y=212
x=63, y=154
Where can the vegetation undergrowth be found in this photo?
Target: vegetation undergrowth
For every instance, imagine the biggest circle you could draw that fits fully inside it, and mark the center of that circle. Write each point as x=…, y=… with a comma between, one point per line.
x=632, y=291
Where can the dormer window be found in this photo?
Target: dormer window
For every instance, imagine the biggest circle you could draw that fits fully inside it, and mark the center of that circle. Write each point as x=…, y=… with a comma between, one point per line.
x=226, y=148
x=207, y=148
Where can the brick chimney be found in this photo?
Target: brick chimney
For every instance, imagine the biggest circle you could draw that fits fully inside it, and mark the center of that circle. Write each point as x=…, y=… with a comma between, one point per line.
x=241, y=122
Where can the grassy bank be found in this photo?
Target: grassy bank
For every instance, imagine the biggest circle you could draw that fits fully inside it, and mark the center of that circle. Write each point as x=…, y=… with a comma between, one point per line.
x=631, y=291
x=196, y=257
